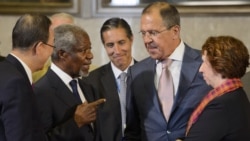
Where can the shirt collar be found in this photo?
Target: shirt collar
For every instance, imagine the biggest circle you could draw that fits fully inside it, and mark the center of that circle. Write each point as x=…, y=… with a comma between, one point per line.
x=117, y=71
x=26, y=68
x=61, y=74
x=177, y=55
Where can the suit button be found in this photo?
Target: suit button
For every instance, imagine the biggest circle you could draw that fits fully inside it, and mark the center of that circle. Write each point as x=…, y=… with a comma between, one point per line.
x=168, y=132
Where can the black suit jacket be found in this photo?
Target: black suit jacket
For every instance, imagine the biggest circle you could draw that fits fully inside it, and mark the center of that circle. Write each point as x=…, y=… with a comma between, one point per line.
x=2, y=58
x=109, y=120
x=57, y=105
x=226, y=118
x=19, y=119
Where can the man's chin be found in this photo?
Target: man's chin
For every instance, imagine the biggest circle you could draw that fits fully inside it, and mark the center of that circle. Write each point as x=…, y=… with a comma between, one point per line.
x=84, y=73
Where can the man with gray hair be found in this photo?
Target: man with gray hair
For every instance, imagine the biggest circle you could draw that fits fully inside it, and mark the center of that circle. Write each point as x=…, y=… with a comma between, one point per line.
x=56, y=19
x=63, y=100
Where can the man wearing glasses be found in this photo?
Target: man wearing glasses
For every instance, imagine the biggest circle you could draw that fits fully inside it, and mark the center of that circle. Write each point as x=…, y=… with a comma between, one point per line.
x=163, y=89
x=19, y=118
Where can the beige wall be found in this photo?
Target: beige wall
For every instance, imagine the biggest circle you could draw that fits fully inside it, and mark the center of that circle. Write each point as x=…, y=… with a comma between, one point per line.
x=195, y=30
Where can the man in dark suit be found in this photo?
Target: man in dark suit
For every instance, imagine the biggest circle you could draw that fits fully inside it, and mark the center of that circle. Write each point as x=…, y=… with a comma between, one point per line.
x=2, y=58
x=31, y=39
x=65, y=111
x=117, y=38
x=146, y=118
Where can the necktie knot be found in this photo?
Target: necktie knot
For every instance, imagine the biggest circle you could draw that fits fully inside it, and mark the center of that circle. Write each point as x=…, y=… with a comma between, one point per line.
x=123, y=76
x=166, y=63
x=73, y=84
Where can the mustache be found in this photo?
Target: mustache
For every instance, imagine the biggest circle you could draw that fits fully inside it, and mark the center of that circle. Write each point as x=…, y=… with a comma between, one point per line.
x=87, y=62
x=151, y=45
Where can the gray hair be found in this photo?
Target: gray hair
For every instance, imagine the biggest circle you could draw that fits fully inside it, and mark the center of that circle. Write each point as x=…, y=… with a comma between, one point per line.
x=67, y=37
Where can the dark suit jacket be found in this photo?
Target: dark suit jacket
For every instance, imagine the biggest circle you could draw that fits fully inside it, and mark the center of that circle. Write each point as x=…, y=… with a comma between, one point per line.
x=226, y=118
x=145, y=120
x=2, y=58
x=109, y=121
x=19, y=119
x=57, y=105
x=246, y=84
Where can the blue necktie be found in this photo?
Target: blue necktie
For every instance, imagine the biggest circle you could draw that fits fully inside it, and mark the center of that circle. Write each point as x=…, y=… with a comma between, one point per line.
x=73, y=84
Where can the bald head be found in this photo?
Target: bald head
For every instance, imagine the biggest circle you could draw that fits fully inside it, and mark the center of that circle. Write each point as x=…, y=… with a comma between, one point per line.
x=61, y=18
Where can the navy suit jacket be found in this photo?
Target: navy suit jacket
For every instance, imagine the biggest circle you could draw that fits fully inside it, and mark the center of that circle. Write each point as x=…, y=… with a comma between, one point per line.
x=226, y=118
x=57, y=105
x=109, y=120
x=145, y=119
x=19, y=119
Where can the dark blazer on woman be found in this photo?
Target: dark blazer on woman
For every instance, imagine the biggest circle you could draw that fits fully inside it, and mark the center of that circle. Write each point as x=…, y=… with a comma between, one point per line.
x=19, y=119
x=57, y=105
x=226, y=118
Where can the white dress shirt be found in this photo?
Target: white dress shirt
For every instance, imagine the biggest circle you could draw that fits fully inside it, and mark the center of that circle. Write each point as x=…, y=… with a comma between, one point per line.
x=66, y=79
x=174, y=68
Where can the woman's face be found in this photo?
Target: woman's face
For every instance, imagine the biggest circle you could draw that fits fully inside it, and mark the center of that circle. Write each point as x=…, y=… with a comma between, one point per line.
x=211, y=77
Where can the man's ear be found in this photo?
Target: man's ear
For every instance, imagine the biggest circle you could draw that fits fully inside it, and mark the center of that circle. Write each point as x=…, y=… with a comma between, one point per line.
x=62, y=54
x=176, y=31
x=37, y=48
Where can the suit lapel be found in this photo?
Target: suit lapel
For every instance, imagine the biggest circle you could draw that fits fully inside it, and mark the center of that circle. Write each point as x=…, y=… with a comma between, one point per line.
x=62, y=91
x=109, y=83
x=87, y=91
x=151, y=90
x=190, y=67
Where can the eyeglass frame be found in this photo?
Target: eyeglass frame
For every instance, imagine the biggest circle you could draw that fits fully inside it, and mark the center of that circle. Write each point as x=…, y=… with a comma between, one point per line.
x=48, y=45
x=153, y=33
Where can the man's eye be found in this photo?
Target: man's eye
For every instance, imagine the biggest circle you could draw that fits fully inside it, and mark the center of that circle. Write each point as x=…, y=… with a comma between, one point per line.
x=109, y=45
x=143, y=33
x=122, y=42
x=153, y=33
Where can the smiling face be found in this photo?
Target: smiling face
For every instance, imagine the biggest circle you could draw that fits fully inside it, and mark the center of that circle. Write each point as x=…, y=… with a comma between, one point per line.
x=118, y=47
x=163, y=43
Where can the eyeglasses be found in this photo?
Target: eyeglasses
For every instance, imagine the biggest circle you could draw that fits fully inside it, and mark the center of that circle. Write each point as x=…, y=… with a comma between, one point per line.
x=49, y=45
x=151, y=33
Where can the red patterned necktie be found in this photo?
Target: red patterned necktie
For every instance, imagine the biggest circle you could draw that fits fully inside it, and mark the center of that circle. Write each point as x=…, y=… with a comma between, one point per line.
x=166, y=89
